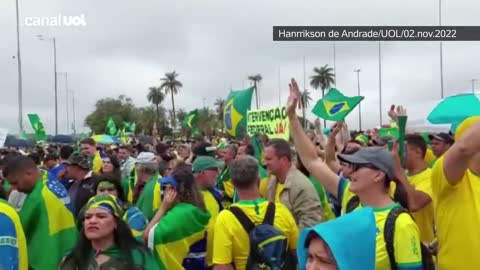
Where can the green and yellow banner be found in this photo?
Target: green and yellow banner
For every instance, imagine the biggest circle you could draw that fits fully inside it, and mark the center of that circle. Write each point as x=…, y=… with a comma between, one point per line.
x=272, y=122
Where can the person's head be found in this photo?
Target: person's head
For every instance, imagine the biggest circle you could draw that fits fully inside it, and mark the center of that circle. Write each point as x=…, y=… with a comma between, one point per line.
x=244, y=174
x=205, y=171
x=110, y=184
x=372, y=170
x=183, y=182
x=65, y=152
x=245, y=150
x=440, y=143
x=171, y=164
x=229, y=153
x=22, y=173
x=146, y=165
x=124, y=152
x=88, y=147
x=50, y=160
x=77, y=166
x=322, y=247
x=111, y=165
x=278, y=156
x=184, y=151
x=36, y=157
x=416, y=150
x=352, y=147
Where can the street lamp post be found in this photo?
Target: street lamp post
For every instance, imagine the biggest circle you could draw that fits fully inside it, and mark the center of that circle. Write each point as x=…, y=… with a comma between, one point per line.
x=380, y=81
x=73, y=107
x=442, y=93
x=66, y=98
x=55, y=77
x=19, y=66
x=359, y=104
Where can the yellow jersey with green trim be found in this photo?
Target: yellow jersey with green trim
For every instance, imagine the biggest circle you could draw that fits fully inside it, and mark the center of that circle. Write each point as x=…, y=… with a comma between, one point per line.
x=231, y=241
x=213, y=208
x=424, y=217
x=408, y=254
x=457, y=219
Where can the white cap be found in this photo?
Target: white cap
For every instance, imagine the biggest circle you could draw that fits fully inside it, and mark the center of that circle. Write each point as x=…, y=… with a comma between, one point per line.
x=146, y=158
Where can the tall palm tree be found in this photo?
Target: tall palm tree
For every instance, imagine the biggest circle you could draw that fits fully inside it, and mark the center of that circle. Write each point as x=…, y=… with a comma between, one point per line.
x=171, y=86
x=156, y=97
x=322, y=78
x=303, y=104
x=255, y=79
x=220, y=105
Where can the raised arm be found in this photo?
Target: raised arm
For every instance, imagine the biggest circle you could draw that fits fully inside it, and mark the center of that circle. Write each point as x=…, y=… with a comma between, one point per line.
x=306, y=149
x=330, y=152
x=457, y=158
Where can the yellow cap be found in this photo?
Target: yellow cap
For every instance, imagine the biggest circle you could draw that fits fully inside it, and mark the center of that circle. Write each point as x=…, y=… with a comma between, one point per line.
x=465, y=125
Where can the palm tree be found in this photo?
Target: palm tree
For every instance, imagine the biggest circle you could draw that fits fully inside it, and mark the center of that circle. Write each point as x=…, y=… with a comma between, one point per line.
x=156, y=97
x=171, y=86
x=255, y=79
x=220, y=103
x=303, y=104
x=322, y=78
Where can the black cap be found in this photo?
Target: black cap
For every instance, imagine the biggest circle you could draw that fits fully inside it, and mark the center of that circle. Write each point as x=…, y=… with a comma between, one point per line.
x=444, y=137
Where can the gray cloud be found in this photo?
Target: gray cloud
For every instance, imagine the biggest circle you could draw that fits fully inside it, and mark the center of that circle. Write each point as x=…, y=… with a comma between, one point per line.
x=127, y=46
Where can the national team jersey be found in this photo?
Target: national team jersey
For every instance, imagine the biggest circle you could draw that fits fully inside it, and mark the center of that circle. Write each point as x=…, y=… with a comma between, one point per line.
x=406, y=236
x=213, y=206
x=457, y=219
x=13, y=245
x=424, y=217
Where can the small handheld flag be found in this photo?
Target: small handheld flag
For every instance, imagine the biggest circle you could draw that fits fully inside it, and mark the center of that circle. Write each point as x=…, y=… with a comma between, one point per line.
x=334, y=106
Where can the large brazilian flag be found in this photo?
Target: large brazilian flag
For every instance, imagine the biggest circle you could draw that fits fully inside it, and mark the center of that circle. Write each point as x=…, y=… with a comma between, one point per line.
x=235, y=111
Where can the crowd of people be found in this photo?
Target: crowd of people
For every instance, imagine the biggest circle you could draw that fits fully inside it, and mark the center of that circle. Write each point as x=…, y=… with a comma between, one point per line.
x=343, y=201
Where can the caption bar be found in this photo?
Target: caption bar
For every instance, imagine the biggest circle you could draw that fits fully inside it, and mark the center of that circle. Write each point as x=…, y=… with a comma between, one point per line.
x=376, y=33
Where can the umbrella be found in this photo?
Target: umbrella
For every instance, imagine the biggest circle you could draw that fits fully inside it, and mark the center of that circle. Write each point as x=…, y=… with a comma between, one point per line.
x=106, y=139
x=62, y=139
x=455, y=109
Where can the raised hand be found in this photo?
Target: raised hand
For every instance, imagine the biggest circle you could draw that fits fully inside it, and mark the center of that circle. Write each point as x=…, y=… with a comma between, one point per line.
x=293, y=97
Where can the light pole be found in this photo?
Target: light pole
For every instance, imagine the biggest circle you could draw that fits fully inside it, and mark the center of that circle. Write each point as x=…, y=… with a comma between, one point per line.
x=473, y=85
x=40, y=37
x=73, y=107
x=380, y=80
x=441, y=49
x=334, y=63
x=19, y=66
x=66, y=98
x=359, y=104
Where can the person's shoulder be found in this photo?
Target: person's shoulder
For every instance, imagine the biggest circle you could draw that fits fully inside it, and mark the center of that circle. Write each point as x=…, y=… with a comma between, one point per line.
x=405, y=220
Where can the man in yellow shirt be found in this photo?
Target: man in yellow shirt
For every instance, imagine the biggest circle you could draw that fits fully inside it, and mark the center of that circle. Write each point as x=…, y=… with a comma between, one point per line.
x=89, y=148
x=441, y=142
x=231, y=242
x=456, y=197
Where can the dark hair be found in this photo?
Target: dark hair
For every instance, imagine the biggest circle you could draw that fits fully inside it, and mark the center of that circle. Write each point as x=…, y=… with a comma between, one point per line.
x=78, y=258
x=17, y=164
x=233, y=148
x=301, y=167
x=282, y=148
x=187, y=191
x=400, y=194
x=126, y=147
x=50, y=156
x=65, y=151
x=244, y=172
x=89, y=141
x=36, y=157
x=249, y=150
x=116, y=165
x=417, y=140
x=113, y=179
x=162, y=167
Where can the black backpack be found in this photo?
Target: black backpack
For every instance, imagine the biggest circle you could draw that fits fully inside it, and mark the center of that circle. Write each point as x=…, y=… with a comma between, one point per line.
x=268, y=246
x=388, y=235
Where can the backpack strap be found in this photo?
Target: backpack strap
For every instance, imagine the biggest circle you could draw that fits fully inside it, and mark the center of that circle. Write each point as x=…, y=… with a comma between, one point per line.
x=389, y=233
x=270, y=214
x=352, y=204
x=247, y=224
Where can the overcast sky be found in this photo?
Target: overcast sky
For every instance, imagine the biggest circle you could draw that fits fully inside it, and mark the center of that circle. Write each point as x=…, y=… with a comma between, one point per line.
x=128, y=45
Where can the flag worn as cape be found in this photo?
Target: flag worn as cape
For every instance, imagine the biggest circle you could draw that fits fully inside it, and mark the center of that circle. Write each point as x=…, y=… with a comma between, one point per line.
x=37, y=126
x=224, y=182
x=150, y=200
x=191, y=119
x=334, y=106
x=111, y=127
x=172, y=239
x=235, y=111
x=13, y=245
x=48, y=222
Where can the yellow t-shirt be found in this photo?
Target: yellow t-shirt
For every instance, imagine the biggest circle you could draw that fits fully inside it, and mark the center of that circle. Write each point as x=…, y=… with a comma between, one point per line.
x=97, y=163
x=213, y=208
x=231, y=242
x=429, y=156
x=406, y=236
x=264, y=189
x=457, y=219
x=425, y=216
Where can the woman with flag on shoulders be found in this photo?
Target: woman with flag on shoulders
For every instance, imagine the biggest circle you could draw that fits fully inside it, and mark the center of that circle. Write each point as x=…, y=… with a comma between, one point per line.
x=105, y=240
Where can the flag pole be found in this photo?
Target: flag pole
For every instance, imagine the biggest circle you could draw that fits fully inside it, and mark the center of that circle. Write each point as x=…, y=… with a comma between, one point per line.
x=442, y=93
x=380, y=81
x=279, y=89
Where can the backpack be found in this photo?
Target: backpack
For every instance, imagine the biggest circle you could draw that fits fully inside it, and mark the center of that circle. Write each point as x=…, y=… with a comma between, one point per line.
x=388, y=235
x=268, y=246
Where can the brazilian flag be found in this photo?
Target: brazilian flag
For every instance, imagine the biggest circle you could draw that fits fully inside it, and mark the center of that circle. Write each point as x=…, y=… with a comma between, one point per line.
x=334, y=106
x=37, y=125
x=235, y=111
x=191, y=119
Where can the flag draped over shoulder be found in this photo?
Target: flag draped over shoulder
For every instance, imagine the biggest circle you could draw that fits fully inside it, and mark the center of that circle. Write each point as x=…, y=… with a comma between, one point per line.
x=150, y=200
x=48, y=222
x=37, y=126
x=191, y=119
x=334, y=106
x=172, y=238
x=235, y=111
x=13, y=245
x=111, y=127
